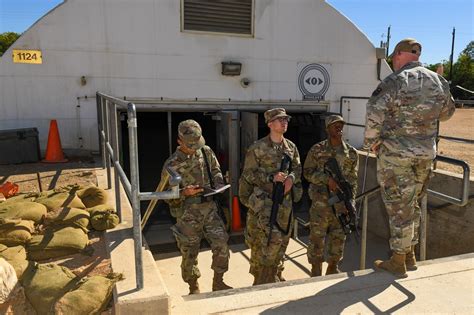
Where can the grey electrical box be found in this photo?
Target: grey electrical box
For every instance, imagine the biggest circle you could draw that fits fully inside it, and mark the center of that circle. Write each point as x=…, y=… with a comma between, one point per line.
x=19, y=146
x=380, y=53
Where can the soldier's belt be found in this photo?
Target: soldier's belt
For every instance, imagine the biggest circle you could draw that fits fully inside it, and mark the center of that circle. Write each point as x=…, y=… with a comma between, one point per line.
x=197, y=199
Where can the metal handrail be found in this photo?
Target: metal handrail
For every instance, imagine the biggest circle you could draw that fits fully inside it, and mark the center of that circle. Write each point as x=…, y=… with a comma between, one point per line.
x=465, y=182
x=424, y=210
x=107, y=107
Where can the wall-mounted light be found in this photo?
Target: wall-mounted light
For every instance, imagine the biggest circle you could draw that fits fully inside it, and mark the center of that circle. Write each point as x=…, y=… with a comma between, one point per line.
x=231, y=68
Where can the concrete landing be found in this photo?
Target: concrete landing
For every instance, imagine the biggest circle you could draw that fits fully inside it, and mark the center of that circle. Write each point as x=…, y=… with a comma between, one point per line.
x=439, y=286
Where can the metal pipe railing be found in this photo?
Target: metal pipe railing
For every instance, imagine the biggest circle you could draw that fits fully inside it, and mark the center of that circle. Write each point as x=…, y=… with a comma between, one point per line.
x=424, y=210
x=107, y=107
x=465, y=182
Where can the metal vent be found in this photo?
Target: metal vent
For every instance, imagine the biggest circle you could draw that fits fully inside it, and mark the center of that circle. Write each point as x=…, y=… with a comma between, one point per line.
x=221, y=16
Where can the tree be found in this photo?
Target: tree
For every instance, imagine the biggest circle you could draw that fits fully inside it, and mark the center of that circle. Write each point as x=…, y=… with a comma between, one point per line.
x=463, y=73
x=6, y=40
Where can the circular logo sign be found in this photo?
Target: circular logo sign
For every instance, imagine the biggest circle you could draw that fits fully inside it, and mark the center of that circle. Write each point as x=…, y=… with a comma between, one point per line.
x=313, y=81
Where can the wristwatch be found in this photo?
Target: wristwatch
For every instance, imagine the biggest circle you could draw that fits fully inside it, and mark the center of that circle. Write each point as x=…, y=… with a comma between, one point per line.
x=270, y=178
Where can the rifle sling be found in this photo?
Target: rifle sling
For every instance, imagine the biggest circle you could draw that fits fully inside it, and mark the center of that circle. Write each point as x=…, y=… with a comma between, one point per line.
x=208, y=168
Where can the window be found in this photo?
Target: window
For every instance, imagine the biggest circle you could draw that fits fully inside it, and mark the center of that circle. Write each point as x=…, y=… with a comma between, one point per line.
x=218, y=16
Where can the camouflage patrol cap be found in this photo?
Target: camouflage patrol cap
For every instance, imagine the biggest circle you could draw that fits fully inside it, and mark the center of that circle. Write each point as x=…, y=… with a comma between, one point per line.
x=407, y=45
x=274, y=113
x=333, y=119
x=190, y=133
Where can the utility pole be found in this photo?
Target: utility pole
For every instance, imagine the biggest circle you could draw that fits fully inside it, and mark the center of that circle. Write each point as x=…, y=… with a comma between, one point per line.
x=388, y=40
x=451, y=57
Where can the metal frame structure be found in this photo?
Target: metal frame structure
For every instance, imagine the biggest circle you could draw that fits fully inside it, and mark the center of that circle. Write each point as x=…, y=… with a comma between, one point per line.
x=107, y=109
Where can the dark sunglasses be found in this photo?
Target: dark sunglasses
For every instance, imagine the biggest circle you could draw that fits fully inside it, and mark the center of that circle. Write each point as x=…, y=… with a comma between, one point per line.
x=283, y=119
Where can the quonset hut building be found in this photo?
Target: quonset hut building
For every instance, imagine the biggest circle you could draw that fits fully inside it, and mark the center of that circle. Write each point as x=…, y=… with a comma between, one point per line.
x=222, y=63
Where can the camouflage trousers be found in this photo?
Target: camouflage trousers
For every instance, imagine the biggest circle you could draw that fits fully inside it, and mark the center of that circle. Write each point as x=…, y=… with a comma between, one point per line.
x=403, y=182
x=251, y=229
x=197, y=221
x=325, y=229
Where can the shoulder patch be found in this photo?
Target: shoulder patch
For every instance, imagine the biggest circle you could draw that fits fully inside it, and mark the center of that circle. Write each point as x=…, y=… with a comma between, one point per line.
x=377, y=91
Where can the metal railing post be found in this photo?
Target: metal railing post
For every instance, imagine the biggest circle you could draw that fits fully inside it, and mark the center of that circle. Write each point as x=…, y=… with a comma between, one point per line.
x=423, y=226
x=115, y=145
x=135, y=181
x=106, y=140
x=363, y=242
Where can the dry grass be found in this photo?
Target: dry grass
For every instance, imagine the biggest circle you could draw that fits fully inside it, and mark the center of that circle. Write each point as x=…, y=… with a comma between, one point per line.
x=461, y=125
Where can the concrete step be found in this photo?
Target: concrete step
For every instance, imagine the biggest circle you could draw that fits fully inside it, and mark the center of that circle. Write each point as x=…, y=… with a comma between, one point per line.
x=439, y=286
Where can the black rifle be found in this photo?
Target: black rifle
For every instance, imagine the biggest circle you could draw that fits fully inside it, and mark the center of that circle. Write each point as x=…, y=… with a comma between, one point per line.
x=278, y=193
x=344, y=193
x=220, y=211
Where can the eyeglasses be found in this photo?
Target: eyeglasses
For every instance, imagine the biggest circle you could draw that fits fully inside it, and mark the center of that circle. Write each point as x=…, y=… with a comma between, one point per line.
x=283, y=119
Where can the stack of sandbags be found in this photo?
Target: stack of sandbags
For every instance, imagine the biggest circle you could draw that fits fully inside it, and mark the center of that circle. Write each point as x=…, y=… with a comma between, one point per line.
x=57, y=242
x=16, y=256
x=45, y=284
x=103, y=217
x=91, y=297
x=15, y=231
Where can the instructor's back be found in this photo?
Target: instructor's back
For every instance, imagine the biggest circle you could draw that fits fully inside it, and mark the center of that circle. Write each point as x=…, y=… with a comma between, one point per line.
x=401, y=128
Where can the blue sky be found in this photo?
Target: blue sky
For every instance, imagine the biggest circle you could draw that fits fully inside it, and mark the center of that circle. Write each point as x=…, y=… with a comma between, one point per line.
x=429, y=21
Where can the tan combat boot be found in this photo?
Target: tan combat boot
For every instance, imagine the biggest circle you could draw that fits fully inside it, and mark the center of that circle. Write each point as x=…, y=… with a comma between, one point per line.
x=332, y=268
x=316, y=269
x=396, y=265
x=410, y=260
x=279, y=276
x=193, y=286
x=218, y=282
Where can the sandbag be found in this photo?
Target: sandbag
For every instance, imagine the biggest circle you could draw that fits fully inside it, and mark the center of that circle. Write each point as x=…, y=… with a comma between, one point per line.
x=8, y=280
x=104, y=221
x=100, y=209
x=15, y=231
x=61, y=199
x=22, y=197
x=45, y=284
x=67, y=217
x=16, y=256
x=92, y=196
x=56, y=242
x=91, y=297
x=12, y=253
x=26, y=210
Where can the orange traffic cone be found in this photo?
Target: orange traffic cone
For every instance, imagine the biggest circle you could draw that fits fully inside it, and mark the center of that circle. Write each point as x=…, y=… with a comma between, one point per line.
x=54, y=152
x=236, y=222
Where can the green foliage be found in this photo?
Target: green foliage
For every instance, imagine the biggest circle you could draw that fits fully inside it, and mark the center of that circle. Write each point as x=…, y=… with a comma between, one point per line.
x=6, y=40
x=463, y=72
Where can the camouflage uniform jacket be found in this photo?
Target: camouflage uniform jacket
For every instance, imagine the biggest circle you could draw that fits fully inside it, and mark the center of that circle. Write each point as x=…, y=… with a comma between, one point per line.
x=404, y=110
x=313, y=169
x=192, y=169
x=263, y=159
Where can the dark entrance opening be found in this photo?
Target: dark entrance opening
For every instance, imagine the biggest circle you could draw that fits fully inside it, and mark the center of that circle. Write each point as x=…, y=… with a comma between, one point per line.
x=153, y=147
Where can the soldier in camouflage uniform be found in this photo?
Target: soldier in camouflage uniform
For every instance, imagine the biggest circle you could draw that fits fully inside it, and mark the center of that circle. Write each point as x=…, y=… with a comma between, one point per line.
x=323, y=220
x=401, y=127
x=261, y=171
x=196, y=215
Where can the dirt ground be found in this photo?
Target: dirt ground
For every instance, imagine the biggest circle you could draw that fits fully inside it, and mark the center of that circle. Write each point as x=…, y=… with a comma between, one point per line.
x=461, y=125
x=44, y=176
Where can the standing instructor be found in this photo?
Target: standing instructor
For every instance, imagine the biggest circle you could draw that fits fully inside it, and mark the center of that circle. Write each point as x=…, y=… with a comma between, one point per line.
x=401, y=128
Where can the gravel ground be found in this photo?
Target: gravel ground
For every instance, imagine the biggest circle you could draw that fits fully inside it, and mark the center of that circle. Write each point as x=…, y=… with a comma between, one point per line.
x=461, y=125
